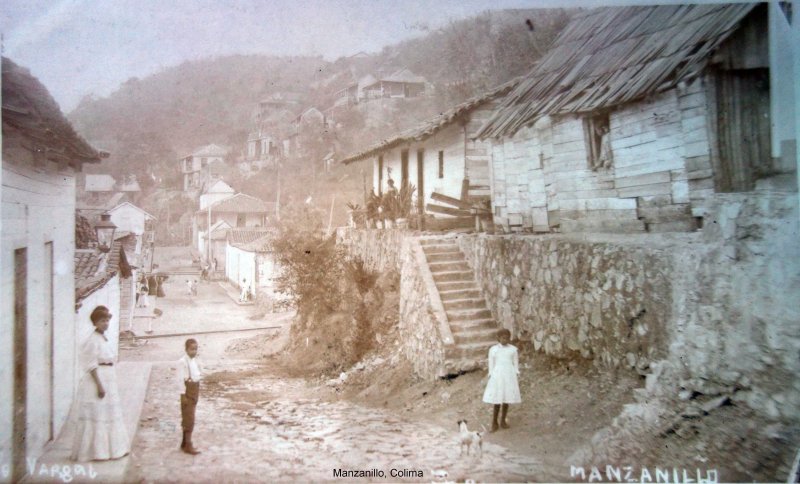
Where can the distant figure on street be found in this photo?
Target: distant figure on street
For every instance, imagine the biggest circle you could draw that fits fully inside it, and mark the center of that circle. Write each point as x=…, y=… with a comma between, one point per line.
x=189, y=290
x=189, y=376
x=245, y=296
x=502, y=387
x=214, y=266
x=204, y=272
x=142, y=293
x=160, y=288
x=152, y=284
x=194, y=287
x=100, y=432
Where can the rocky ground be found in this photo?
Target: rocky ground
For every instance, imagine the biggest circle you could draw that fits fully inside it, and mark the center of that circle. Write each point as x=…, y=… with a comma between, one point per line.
x=263, y=417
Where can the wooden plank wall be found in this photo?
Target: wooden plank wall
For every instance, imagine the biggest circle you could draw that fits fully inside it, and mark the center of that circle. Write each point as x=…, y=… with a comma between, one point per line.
x=588, y=199
x=478, y=153
x=661, y=169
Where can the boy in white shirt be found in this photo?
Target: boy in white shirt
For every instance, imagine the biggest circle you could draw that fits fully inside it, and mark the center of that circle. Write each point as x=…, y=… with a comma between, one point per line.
x=189, y=375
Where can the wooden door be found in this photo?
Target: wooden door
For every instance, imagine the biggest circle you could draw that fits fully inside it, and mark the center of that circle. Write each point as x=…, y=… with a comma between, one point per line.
x=20, y=363
x=743, y=129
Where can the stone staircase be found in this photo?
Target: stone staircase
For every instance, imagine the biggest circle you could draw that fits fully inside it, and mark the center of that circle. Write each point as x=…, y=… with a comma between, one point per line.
x=474, y=330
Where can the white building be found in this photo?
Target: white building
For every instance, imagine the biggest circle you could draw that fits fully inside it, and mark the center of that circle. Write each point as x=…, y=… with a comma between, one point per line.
x=216, y=191
x=249, y=257
x=38, y=334
x=130, y=218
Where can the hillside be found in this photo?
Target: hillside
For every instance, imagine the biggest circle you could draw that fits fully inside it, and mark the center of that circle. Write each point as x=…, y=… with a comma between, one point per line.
x=148, y=124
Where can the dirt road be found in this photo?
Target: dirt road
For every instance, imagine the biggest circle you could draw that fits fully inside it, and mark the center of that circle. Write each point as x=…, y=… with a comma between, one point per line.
x=253, y=425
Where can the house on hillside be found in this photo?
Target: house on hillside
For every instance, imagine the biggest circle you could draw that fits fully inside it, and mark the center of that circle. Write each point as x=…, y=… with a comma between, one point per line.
x=129, y=184
x=214, y=192
x=262, y=151
x=637, y=115
x=401, y=84
x=248, y=257
x=41, y=155
x=99, y=183
x=130, y=218
x=197, y=166
x=237, y=211
x=439, y=158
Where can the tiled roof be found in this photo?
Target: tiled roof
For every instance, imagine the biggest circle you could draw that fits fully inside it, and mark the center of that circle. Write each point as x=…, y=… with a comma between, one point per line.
x=241, y=203
x=34, y=125
x=93, y=268
x=244, y=237
x=85, y=236
x=262, y=244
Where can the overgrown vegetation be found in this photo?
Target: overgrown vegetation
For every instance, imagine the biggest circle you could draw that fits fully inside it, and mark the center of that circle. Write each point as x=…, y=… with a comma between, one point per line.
x=336, y=297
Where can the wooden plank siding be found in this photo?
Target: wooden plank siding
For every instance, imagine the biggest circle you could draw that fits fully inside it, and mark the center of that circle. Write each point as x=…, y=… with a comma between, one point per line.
x=661, y=169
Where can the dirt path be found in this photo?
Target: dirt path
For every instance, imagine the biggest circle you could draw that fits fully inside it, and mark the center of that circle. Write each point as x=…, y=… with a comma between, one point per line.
x=256, y=427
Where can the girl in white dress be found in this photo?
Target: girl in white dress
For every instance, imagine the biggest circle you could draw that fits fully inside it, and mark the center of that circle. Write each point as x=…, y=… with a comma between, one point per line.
x=100, y=432
x=502, y=387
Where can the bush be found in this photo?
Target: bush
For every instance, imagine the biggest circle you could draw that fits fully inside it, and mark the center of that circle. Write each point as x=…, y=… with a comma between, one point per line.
x=333, y=324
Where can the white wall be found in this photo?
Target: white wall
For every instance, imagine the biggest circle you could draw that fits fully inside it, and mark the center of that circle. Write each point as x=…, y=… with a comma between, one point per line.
x=253, y=266
x=38, y=206
x=451, y=141
x=109, y=296
x=129, y=218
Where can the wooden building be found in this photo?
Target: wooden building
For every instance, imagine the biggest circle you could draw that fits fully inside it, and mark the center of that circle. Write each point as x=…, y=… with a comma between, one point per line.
x=439, y=157
x=38, y=334
x=634, y=118
x=400, y=84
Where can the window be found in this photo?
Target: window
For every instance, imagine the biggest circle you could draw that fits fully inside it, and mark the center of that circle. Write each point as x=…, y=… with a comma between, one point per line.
x=441, y=164
x=596, y=131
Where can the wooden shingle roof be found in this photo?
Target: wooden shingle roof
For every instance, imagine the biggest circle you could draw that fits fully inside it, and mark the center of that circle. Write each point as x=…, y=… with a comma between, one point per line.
x=610, y=56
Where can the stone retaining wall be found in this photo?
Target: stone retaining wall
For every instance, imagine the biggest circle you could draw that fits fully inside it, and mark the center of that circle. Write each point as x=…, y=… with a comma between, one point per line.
x=607, y=301
x=713, y=312
x=419, y=326
x=423, y=343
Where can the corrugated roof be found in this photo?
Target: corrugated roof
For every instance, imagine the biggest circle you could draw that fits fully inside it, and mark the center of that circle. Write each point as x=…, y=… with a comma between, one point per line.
x=32, y=121
x=431, y=126
x=610, y=56
x=241, y=203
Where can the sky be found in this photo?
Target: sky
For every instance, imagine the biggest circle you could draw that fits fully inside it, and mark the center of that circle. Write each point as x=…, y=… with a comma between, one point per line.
x=82, y=47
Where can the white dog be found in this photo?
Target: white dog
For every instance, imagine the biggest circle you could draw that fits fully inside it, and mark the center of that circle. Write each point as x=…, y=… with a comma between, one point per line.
x=469, y=439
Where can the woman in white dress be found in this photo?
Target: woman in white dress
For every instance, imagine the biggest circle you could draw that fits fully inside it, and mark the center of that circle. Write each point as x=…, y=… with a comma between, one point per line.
x=100, y=432
x=502, y=387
